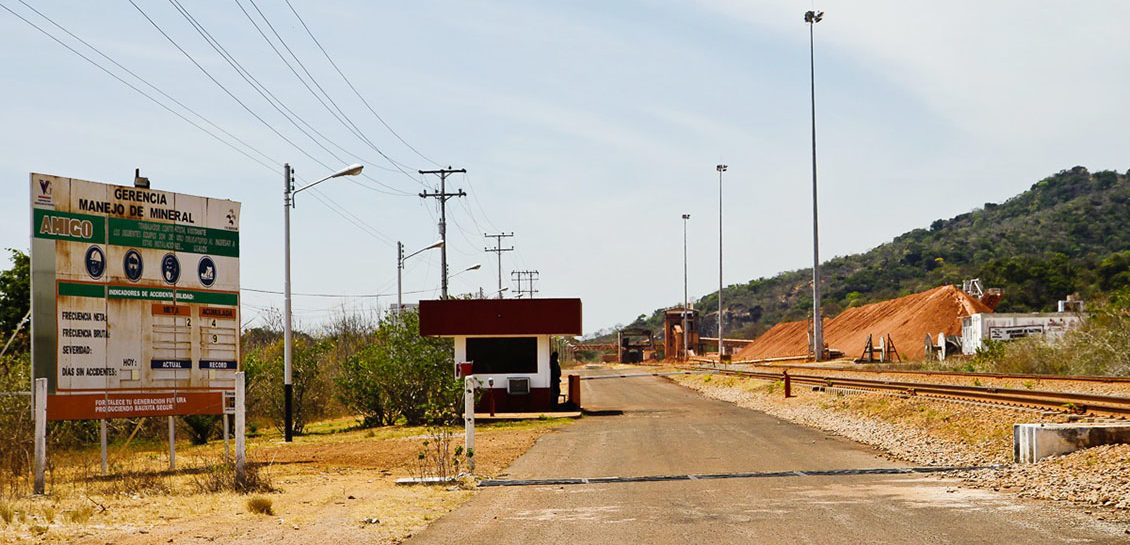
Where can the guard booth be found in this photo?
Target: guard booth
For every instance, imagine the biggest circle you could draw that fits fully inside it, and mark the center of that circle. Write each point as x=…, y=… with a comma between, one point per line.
x=507, y=341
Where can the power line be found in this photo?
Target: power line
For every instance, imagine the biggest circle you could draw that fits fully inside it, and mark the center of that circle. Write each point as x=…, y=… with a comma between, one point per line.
x=134, y=87
x=337, y=295
x=333, y=206
x=220, y=85
x=269, y=96
x=353, y=88
x=146, y=82
x=228, y=91
x=357, y=130
x=335, y=111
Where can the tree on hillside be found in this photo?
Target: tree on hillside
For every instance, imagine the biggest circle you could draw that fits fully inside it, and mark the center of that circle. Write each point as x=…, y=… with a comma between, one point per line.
x=1061, y=236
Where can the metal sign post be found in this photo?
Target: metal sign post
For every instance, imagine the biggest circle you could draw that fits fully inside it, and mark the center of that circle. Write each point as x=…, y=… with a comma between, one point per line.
x=469, y=420
x=40, y=434
x=240, y=428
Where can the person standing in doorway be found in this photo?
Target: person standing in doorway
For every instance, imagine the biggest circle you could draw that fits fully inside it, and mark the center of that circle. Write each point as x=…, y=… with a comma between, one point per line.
x=554, y=378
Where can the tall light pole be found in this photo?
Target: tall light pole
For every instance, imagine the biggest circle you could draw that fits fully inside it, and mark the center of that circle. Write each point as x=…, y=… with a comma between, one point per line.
x=400, y=257
x=721, y=169
x=813, y=17
x=288, y=337
x=686, y=334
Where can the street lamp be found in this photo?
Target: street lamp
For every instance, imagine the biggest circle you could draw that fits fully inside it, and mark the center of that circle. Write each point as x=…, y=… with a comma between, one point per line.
x=686, y=334
x=400, y=257
x=474, y=267
x=721, y=169
x=288, y=338
x=813, y=17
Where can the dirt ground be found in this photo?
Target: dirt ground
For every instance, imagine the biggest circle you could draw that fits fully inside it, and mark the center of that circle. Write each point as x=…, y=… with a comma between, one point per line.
x=336, y=485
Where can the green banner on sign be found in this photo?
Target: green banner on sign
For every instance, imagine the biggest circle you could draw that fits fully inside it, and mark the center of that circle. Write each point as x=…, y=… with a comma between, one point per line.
x=149, y=294
x=173, y=237
x=69, y=226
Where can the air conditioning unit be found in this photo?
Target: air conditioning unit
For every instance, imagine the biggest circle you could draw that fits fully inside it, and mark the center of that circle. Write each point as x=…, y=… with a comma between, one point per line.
x=518, y=385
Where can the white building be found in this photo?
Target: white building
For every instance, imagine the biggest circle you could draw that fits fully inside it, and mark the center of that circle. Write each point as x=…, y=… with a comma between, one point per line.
x=977, y=328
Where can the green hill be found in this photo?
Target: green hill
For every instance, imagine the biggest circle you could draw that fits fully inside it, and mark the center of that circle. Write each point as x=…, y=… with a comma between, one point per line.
x=1069, y=233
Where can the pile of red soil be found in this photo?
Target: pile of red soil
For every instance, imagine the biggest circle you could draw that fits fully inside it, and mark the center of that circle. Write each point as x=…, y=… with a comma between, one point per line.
x=907, y=320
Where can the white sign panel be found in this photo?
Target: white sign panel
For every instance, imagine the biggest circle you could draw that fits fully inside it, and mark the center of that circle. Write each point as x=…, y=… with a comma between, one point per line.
x=135, y=298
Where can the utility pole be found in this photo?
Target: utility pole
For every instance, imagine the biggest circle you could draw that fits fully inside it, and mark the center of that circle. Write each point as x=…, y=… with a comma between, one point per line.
x=498, y=249
x=443, y=196
x=531, y=277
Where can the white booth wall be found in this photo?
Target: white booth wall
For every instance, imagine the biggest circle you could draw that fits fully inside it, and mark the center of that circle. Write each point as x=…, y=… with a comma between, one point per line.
x=540, y=379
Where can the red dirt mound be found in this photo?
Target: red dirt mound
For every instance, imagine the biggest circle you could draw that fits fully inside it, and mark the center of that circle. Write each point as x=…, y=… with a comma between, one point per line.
x=907, y=320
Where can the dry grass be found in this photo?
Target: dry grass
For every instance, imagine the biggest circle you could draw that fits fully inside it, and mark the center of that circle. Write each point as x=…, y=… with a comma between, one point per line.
x=313, y=480
x=81, y=514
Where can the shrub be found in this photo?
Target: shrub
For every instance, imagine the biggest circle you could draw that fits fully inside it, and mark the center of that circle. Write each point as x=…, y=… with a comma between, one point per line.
x=260, y=505
x=200, y=427
x=313, y=387
x=401, y=374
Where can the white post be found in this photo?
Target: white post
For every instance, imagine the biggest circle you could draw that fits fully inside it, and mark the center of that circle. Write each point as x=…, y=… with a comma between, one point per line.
x=288, y=339
x=172, y=443
x=40, y=435
x=240, y=428
x=469, y=421
x=102, y=433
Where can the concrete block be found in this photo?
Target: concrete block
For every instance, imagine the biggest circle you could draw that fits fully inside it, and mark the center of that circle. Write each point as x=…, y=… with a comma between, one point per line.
x=1034, y=442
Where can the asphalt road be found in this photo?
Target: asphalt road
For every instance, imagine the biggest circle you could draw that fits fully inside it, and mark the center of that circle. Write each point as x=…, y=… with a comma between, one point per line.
x=668, y=430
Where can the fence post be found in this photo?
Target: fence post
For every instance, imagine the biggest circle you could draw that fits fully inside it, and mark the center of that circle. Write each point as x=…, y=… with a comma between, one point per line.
x=788, y=384
x=172, y=443
x=40, y=435
x=102, y=441
x=240, y=429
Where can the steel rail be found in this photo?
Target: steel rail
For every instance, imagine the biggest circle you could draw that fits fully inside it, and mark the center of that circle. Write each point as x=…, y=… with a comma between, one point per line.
x=1016, y=376
x=1071, y=402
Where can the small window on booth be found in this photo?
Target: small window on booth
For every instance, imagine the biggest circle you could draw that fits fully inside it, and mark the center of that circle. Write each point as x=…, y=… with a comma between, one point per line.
x=503, y=355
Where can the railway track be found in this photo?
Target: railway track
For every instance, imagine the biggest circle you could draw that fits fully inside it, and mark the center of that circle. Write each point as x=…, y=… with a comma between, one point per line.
x=1078, y=403
x=771, y=363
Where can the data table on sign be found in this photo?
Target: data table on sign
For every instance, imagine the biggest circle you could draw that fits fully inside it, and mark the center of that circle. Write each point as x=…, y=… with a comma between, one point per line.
x=172, y=341
x=219, y=338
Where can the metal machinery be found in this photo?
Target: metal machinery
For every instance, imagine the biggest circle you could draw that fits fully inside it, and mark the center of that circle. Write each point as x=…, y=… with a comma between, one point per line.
x=633, y=343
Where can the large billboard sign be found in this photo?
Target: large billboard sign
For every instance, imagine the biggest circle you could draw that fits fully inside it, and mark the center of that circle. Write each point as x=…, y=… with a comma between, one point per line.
x=135, y=299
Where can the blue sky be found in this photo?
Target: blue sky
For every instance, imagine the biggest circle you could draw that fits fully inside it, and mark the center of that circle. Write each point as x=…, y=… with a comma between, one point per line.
x=587, y=128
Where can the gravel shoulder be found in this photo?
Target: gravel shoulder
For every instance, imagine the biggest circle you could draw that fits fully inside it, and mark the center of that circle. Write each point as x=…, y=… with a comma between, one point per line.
x=935, y=432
